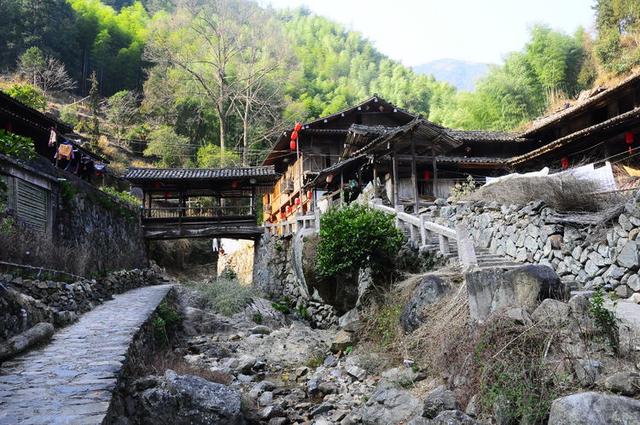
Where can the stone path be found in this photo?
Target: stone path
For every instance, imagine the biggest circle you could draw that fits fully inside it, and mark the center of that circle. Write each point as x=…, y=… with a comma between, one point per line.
x=69, y=381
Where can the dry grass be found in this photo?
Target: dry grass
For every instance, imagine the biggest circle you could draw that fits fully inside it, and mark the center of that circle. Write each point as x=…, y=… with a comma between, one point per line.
x=562, y=193
x=162, y=360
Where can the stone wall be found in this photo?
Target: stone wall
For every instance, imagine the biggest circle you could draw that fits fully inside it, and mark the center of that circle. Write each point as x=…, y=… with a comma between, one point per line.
x=584, y=256
x=26, y=302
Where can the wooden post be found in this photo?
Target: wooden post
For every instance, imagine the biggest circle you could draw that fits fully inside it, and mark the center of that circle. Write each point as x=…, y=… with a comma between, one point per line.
x=341, y=189
x=435, y=172
x=394, y=178
x=414, y=177
x=375, y=181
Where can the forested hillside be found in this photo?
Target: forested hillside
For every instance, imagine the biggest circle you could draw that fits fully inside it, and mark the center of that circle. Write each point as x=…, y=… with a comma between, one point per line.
x=211, y=82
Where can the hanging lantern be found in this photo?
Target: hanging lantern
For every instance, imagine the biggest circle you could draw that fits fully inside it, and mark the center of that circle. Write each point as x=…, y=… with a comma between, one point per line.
x=297, y=127
x=156, y=185
x=309, y=194
x=297, y=201
x=294, y=135
x=282, y=216
x=426, y=175
x=329, y=178
x=166, y=195
x=292, y=145
x=288, y=209
x=564, y=162
x=234, y=184
x=628, y=138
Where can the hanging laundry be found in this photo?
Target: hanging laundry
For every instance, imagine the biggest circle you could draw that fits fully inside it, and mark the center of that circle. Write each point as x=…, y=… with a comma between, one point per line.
x=100, y=168
x=53, y=138
x=65, y=151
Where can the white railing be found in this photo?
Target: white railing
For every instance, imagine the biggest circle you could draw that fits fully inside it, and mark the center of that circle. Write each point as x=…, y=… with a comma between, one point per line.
x=419, y=226
x=293, y=224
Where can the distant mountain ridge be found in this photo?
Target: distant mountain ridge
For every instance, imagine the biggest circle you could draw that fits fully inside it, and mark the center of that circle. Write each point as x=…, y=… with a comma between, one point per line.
x=461, y=74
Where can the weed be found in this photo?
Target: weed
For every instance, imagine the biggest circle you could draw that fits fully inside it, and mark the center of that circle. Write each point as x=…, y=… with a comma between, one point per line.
x=605, y=319
x=226, y=296
x=281, y=307
x=348, y=350
x=257, y=318
x=303, y=313
x=315, y=361
x=67, y=191
x=386, y=324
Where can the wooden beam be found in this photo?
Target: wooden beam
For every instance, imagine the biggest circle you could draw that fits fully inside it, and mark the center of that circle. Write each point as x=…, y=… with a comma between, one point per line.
x=435, y=174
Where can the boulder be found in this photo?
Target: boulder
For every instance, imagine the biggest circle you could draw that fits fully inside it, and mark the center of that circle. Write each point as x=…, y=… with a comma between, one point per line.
x=430, y=290
x=625, y=383
x=453, y=417
x=341, y=341
x=439, y=400
x=38, y=334
x=628, y=255
x=390, y=406
x=496, y=289
x=552, y=313
x=592, y=408
x=350, y=321
x=400, y=377
x=188, y=400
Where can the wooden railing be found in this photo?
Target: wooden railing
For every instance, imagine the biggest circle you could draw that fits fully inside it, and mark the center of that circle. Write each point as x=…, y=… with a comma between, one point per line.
x=420, y=227
x=197, y=212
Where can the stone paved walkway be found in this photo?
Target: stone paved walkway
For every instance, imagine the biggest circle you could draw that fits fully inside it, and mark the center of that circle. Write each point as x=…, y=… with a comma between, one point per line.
x=69, y=381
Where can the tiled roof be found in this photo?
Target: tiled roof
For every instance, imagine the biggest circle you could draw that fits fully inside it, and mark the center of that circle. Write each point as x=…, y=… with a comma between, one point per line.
x=198, y=173
x=484, y=136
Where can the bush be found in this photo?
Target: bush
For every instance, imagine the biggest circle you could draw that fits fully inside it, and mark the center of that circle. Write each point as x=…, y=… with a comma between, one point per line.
x=463, y=189
x=16, y=146
x=226, y=296
x=356, y=237
x=123, y=196
x=28, y=94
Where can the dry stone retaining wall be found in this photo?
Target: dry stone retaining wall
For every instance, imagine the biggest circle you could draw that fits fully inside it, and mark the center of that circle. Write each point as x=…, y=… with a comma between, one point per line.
x=26, y=302
x=586, y=256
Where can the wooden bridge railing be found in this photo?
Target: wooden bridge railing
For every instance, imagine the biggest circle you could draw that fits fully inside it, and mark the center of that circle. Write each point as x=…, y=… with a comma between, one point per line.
x=418, y=225
x=198, y=212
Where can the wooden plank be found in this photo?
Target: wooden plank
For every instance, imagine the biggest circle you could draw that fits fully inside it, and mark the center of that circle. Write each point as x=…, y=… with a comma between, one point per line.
x=414, y=177
x=394, y=178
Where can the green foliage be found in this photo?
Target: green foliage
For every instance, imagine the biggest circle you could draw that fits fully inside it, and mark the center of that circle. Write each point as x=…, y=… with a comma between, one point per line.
x=171, y=149
x=165, y=322
x=281, y=306
x=68, y=192
x=226, y=296
x=123, y=196
x=28, y=94
x=122, y=111
x=618, y=23
x=303, y=313
x=356, y=237
x=315, y=361
x=257, y=318
x=386, y=323
x=16, y=146
x=211, y=156
x=69, y=115
x=605, y=319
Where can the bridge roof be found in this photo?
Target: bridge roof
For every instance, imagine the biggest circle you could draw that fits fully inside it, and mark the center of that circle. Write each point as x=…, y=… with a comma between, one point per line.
x=186, y=175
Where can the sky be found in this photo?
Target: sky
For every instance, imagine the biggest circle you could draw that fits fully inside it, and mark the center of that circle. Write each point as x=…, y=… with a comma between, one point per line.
x=419, y=31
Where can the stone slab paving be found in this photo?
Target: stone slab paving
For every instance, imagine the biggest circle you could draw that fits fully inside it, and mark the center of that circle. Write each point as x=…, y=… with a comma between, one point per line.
x=70, y=380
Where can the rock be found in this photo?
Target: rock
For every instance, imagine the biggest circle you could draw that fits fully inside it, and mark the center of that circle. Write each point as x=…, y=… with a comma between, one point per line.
x=245, y=363
x=490, y=290
x=350, y=321
x=635, y=298
x=628, y=255
x=587, y=371
x=519, y=315
x=453, y=417
x=328, y=388
x=625, y=383
x=438, y=400
x=400, y=377
x=278, y=421
x=273, y=411
x=260, y=330
x=186, y=400
x=390, y=406
x=357, y=372
x=623, y=291
x=634, y=282
x=472, y=406
x=430, y=290
x=592, y=408
x=265, y=399
x=552, y=312
x=341, y=341
x=33, y=336
x=614, y=272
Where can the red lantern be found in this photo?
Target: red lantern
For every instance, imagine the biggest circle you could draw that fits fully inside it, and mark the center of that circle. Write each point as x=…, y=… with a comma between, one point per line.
x=282, y=216
x=288, y=210
x=564, y=162
x=628, y=138
x=309, y=194
x=426, y=175
x=297, y=201
x=234, y=184
x=294, y=135
x=166, y=195
x=292, y=145
x=297, y=127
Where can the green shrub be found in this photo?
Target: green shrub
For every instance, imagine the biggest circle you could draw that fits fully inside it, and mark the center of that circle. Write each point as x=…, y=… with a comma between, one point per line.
x=28, y=94
x=16, y=146
x=356, y=237
x=69, y=115
x=123, y=196
x=67, y=191
x=462, y=189
x=605, y=319
x=226, y=296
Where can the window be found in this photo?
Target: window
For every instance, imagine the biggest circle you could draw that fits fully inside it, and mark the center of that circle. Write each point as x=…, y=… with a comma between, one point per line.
x=32, y=205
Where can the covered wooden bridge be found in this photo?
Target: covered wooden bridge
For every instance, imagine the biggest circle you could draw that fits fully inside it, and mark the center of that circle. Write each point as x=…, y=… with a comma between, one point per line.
x=200, y=203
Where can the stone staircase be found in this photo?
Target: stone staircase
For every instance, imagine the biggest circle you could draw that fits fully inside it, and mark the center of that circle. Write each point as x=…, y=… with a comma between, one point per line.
x=486, y=259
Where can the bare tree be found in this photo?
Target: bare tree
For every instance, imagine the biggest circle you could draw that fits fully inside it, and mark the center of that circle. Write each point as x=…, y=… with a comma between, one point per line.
x=47, y=73
x=211, y=41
